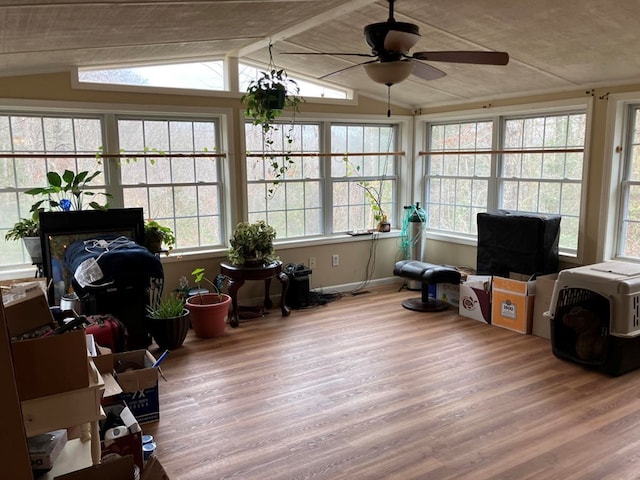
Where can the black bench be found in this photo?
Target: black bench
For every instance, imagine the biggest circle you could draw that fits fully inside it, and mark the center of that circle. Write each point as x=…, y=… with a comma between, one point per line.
x=427, y=274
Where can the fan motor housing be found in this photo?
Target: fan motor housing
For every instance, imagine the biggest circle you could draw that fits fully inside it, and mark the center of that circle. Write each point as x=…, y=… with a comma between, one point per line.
x=376, y=33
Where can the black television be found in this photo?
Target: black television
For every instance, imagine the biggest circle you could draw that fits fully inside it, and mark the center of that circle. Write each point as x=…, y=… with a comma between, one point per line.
x=59, y=229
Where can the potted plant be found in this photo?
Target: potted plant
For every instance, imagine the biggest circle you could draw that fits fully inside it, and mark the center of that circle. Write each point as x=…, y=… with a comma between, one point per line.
x=209, y=311
x=168, y=322
x=374, y=194
x=252, y=244
x=63, y=193
x=265, y=100
x=155, y=235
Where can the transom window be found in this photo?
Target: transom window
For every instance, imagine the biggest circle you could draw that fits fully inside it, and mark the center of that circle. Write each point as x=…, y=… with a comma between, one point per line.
x=539, y=163
x=176, y=189
x=191, y=75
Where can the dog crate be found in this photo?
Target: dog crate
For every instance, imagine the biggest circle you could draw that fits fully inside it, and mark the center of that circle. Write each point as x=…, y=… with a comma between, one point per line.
x=595, y=316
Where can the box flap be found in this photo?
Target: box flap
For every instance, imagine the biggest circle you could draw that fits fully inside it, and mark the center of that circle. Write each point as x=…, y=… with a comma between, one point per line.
x=130, y=376
x=120, y=468
x=50, y=365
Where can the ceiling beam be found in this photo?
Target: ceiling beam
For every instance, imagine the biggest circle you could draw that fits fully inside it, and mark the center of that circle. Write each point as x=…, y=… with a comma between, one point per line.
x=341, y=10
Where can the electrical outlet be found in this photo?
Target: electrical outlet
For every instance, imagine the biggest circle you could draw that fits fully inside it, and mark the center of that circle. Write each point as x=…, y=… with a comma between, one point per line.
x=312, y=262
x=335, y=260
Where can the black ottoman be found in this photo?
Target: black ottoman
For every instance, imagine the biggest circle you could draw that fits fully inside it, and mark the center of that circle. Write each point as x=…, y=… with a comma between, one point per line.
x=427, y=274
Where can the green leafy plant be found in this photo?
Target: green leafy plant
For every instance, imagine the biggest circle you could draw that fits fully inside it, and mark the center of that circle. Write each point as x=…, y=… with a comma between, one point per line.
x=373, y=191
x=26, y=227
x=168, y=307
x=64, y=192
x=67, y=192
x=156, y=234
x=252, y=242
x=265, y=100
x=199, y=277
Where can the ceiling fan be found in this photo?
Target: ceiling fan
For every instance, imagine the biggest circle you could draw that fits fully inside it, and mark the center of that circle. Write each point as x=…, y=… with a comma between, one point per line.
x=390, y=43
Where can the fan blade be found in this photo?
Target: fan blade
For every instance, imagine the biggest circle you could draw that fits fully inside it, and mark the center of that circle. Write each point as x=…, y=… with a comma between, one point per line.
x=346, y=68
x=461, y=56
x=426, y=72
x=369, y=55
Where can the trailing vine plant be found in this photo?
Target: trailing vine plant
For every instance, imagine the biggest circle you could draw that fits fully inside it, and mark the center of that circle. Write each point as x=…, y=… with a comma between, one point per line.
x=265, y=100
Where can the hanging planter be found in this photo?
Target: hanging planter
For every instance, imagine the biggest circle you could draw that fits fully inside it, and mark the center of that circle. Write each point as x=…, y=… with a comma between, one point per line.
x=265, y=100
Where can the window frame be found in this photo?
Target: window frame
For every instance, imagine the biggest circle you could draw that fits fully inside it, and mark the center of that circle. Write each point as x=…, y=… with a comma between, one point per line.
x=401, y=177
x=107, y=114
x=497, y=113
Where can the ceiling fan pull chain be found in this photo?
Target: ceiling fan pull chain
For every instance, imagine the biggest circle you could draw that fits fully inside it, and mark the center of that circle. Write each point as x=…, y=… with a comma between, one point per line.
x=388, y=100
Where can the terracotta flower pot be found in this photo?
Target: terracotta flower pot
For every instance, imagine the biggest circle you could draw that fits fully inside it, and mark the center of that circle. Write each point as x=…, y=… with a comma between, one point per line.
x=169, y=333
x=208, y=315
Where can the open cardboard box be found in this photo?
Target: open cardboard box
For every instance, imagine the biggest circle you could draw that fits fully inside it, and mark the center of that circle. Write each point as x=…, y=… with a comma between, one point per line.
x=49, y=365
x=117, y=469
x=512, y=302
x=139, y=385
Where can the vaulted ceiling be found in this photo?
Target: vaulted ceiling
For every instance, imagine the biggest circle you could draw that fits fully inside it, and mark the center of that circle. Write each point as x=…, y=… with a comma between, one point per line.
x=553, y=44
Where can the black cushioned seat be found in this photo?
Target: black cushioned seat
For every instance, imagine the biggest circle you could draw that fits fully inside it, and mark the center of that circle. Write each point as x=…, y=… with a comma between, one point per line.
x=427, y=274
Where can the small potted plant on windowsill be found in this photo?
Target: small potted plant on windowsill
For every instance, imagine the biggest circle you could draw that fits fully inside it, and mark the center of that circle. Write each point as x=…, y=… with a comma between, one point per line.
x=155, y=235
x=265, y=100
x=373, y=193
x=209, y=311
x=252, y=244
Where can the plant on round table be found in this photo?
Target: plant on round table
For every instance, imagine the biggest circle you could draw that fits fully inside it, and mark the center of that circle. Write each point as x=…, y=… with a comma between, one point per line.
x=252, y=243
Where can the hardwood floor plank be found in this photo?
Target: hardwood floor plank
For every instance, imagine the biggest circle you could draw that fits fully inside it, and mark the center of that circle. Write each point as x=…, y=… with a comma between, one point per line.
x=362, y=388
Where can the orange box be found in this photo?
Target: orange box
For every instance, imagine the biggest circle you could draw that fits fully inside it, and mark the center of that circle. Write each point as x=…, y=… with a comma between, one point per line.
x=513, y=301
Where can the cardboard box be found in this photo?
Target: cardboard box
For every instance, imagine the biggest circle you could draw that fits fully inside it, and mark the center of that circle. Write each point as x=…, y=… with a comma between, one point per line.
x=544, y=289
x=26, y=309
x=139, y=385
x=154, y=470
x=45, y=448
x=129, y=444
x=49, y=365
x=121, y=468
x=475, y=298
x=512, y=303
x=448, y=293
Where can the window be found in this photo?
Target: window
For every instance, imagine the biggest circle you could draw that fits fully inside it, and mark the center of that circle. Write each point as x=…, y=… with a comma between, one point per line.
x=362, y=155
x=353, y=176
x=545, y=175
x=248, y=73
x=192, y=75
x=31, y=136
x=292, y=205
x=178, y=189
x=459, y=170
x=629, y=240
x=539, y=163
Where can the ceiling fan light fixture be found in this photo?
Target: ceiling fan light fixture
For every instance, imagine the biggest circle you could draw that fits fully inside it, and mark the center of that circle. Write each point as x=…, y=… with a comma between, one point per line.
x=389, y=73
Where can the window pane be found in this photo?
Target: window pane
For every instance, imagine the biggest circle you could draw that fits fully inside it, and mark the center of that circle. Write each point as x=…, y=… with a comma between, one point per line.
x=457, y=183
x=548, y=182
x=200, y=75
x=40, y=134
x=364, y=184
x=178, y=190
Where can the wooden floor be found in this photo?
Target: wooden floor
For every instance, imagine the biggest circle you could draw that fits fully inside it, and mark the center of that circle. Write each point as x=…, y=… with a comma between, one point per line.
x=362, y=388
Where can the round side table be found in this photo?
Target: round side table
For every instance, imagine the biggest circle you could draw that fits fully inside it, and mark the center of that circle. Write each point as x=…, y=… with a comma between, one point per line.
x=238, y=274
